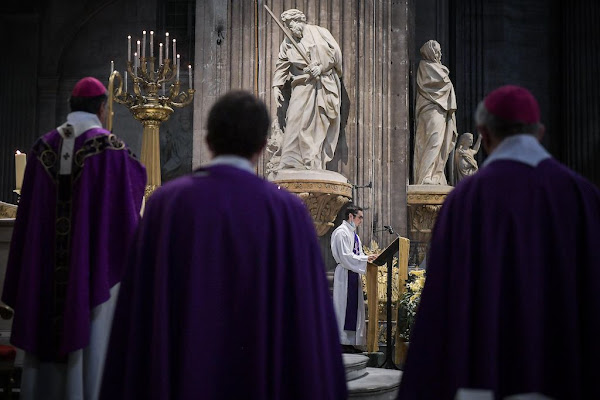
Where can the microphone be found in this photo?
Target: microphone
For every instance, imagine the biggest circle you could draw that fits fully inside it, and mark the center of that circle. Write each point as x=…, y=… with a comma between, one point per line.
x=389, y=229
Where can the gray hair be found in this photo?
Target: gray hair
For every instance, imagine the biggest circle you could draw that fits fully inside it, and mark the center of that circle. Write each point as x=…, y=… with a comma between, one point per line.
x=501, y=127
x=293, y=14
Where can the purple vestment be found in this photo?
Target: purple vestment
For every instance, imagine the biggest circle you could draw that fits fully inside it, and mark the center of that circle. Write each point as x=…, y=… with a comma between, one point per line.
x=69, y=239
x=512, y=297
x=226, y=298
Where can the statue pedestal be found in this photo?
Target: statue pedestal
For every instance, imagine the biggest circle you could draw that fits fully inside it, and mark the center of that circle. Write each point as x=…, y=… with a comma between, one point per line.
x=424, y=203
x=323, y=192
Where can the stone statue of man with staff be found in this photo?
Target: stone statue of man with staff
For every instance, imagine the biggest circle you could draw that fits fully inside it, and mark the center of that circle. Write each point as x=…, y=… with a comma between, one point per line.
x=311, y=59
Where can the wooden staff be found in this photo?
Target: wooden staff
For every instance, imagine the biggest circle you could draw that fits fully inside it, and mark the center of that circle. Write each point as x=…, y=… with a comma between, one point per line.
x=288, y=34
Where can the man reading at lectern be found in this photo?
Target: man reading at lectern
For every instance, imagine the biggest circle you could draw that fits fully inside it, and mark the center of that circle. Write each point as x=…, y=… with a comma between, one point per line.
x=348, y=298
x=226, y=297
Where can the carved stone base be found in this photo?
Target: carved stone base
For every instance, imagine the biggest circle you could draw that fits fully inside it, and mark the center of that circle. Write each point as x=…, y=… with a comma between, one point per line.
x=424, y=204
x=323, y=197
x=8, y=210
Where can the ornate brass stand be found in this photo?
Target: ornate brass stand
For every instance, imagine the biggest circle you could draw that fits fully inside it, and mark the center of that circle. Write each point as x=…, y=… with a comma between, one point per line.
x=147, y=105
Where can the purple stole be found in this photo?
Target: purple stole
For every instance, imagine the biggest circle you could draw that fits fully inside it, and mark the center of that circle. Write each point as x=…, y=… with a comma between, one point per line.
x=352, y=294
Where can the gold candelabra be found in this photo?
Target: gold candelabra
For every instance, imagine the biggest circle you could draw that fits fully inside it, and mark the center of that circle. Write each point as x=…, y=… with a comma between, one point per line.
x=151, y=102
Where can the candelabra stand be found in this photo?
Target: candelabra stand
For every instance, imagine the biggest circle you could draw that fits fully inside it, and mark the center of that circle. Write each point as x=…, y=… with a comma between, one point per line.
x=148, y=106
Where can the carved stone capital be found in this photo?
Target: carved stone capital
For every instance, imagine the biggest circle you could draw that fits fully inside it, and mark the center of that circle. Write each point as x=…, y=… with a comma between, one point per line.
x=324, y=199
x=8, y=210
x=424, y=204
x=423, y=216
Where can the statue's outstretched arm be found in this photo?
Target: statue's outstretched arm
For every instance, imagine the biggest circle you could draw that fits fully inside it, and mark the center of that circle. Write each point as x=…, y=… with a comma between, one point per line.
x=477, y=145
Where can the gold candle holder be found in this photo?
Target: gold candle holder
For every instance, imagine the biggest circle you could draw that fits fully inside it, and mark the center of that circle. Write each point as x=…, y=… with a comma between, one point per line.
x=148, y=105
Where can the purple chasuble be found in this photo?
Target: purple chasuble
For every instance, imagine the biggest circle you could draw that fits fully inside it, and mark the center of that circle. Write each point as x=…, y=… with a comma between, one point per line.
x=70, y=235
x=352, y=293
x=225, y=298
x=512, y=297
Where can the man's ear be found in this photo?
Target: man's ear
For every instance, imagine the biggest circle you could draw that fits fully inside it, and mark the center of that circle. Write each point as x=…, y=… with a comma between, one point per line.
x=486, y=139
x=102, y=113
x=540, y=133
x=256, y=156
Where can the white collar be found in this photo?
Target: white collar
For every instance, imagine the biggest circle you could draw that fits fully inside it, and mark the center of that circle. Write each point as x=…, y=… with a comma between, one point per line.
x=233, y=161
x=523, y=148
x=80, y=122
x=347, y=225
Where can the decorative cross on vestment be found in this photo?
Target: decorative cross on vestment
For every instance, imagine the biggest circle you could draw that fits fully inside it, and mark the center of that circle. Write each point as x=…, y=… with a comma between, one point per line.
x=352, y=293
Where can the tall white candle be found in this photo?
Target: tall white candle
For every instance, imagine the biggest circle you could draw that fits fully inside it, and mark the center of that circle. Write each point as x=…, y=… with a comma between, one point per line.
x=125, y=81
x=143, y=44
x=151, y=43
x=167, y=45
x=138, y=48
x=135, y=64
x=20, y=162
x=129, y=48
x=112, y=66
x=174, y=47
x=190, y=75
x=160, y=60
x=178, y=64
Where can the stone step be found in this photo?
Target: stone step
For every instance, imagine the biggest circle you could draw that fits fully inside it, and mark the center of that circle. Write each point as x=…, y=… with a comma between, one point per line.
x=377, y=384
x=356, y=366
x=370, y=383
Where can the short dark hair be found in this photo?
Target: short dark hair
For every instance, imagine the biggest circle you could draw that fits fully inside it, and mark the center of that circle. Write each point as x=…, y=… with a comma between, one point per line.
x=351, y=209
x=87, y=104
x=500, y=127
x=238, y=123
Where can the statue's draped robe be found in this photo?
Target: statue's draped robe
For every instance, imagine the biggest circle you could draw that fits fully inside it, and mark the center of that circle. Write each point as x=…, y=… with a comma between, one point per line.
x=511, y=302
x=66, y=258
x=226, y=297
x=313, y=115
x=436, y=123
x=464, y=163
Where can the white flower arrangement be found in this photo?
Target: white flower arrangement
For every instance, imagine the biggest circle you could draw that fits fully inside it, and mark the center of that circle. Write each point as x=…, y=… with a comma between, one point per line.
x=409, y=302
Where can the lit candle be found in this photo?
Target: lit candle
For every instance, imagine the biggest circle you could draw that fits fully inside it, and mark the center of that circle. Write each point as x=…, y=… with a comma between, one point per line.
x=143, y=44
x=160, y=54
x=151, y=43
x=178, y=63
x=190, y=74
x=174, y=47
x=167, y=45
x=135, y=65
x=20, y=162
x=138, y=48
x=129, y=48
x=112, y=66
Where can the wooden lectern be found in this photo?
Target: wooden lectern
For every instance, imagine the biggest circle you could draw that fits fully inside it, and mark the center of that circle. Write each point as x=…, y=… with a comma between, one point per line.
x=401, y=245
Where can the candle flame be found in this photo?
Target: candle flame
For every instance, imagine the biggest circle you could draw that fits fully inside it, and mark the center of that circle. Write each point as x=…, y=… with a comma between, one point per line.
x=174, y=40
x=152, y=32
x=160, y=44
x=144, y=32
x=138, y=42
x=18, y=152
x=128, y=36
